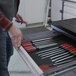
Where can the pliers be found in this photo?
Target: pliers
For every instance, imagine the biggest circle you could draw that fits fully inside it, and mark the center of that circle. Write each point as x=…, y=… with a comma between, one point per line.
x=22, y=22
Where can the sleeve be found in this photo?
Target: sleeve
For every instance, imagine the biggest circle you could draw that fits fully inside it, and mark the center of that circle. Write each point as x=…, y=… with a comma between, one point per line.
x=5, y=23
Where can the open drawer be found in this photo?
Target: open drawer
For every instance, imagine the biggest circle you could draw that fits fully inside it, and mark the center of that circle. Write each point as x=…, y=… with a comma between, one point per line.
x=53, y=54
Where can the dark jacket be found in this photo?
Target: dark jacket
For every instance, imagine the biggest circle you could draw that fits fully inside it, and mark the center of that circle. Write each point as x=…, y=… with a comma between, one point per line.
x=9, y=8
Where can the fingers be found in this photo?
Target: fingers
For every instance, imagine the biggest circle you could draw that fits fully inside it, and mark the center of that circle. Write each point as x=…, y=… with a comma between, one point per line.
x=19, y=18
x=17, y=42
x=16, y=36
x=14, y=41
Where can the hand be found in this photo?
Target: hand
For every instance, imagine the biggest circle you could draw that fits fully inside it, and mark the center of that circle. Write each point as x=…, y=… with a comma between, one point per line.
x=16, y=36
x=18, y=18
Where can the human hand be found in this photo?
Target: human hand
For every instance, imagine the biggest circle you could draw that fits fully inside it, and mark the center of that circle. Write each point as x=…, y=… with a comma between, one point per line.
x=18, y=18
x=16, y=36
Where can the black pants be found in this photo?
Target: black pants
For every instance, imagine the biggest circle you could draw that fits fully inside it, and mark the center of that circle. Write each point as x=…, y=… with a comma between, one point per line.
x=6, y=50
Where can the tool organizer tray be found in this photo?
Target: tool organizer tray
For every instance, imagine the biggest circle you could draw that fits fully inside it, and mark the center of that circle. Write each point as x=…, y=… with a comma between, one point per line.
x=50, y=55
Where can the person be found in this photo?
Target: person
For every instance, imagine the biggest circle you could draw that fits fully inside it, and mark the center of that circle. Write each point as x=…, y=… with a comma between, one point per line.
x=10, y=35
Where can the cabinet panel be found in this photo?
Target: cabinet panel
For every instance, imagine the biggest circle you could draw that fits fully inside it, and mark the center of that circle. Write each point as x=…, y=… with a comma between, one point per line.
x=56, y=6
x=34, y=10
x=69, y=10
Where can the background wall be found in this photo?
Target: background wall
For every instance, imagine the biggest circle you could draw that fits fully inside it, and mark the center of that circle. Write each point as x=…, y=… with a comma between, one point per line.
x=56, y=6
x=33, y=11
x=69, y=10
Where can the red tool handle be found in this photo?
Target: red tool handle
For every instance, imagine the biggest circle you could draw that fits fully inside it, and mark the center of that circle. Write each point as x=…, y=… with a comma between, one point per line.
x=69, y=47
x=28, y=46
x=21, y=22
x=46, y=68
x=25, y=44
x=30, y=49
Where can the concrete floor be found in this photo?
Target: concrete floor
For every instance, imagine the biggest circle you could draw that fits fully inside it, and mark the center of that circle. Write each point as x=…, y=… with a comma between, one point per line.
x=17, y=67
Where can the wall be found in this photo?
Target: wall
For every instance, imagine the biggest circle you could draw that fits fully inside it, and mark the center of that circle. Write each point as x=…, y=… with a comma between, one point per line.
x=33, y=11
x=56, y=6
x=69, y=10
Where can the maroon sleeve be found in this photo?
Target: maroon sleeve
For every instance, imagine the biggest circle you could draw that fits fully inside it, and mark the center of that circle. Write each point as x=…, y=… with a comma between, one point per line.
x=4, y=22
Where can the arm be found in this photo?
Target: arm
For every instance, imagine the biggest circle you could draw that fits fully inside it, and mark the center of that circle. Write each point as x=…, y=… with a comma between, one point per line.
x=4, y=22
x=15, y=33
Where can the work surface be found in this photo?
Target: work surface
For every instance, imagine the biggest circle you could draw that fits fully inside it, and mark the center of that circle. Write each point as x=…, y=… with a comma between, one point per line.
x=53, y=56
x=69, y=24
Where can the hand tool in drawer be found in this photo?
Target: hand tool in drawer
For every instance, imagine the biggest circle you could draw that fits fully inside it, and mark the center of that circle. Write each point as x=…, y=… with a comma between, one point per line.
x=56, y=56
x=47, y=50
x=24, y=44
x=70, y=48
x=46, y=46
x=46, y=67
x=28, y=46
x=51, y=52
x=48, y=41
x=67, y=58
x=50, y=55
x=43, y=42
x=66, y=61
x=34, y=41
x=60, y=57
x=30, y=49
x=57, y=64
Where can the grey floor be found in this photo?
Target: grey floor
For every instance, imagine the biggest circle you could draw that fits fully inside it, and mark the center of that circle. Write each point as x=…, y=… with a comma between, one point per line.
x=17, y=67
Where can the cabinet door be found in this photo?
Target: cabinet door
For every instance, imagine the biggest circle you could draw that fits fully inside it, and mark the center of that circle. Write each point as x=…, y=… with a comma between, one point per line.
x=34, y=10
x=69, y=10
x=56, y=6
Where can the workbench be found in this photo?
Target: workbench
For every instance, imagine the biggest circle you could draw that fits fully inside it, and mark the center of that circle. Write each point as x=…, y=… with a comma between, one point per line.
x=35, y=63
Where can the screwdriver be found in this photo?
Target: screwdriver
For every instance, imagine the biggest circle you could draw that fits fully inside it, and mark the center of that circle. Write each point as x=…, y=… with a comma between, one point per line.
x=65, y=58
x=46, y=46
x=30, y=49
x=61, y=57
x=51, y=53
x=63, y=62
x=69, y=48
x=46, y=67
x=41, y=40
x=24, y=44
x=47, y=50
x=43, y=43
x=51, y=50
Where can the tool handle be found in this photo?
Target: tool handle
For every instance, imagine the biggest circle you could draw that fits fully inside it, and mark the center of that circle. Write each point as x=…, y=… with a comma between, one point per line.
x=45, y=46
x=22, y=22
